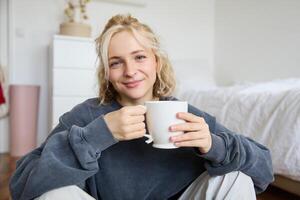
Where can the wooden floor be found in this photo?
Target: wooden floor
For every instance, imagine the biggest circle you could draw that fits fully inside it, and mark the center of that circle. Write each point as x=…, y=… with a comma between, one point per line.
x=7, y=166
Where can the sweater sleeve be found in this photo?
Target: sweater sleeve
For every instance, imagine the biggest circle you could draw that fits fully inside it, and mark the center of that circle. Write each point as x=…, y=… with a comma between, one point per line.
x=234, y=152
x=68, y=157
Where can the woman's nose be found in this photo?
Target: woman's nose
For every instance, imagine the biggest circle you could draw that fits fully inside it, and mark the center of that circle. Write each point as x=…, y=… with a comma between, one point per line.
x=130, y=69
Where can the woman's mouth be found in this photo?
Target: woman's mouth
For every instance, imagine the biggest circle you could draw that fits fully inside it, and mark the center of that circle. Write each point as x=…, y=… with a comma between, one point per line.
x=132, y=84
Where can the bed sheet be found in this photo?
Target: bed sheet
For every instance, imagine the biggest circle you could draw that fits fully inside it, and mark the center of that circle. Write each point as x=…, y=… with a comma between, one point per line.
x=266, y=112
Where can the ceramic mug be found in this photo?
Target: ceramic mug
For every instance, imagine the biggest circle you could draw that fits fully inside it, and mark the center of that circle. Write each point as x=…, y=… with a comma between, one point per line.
x=160, y=116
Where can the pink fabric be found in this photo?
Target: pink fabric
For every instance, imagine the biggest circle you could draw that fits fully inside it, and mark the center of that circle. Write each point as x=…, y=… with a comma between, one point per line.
x=24, y=103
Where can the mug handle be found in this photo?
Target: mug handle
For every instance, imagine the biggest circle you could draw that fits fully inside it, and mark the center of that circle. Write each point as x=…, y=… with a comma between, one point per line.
x=150, y=139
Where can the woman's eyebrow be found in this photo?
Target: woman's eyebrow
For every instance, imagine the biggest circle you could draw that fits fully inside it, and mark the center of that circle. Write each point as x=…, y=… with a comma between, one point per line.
x=132, y=53
x=138, y=51
x=114, y=57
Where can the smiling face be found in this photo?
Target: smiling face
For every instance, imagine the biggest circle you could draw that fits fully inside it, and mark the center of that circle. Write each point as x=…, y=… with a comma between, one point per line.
x=132, y=69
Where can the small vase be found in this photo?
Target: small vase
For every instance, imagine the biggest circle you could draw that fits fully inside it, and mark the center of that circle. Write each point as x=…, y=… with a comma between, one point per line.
x=75, y=29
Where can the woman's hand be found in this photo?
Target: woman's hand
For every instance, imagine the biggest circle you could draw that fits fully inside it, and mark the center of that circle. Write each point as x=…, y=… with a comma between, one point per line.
x=127, y=123
x=196, y=132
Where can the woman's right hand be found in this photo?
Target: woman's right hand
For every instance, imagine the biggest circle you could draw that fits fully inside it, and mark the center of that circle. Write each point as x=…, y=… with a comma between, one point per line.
x=127, y=123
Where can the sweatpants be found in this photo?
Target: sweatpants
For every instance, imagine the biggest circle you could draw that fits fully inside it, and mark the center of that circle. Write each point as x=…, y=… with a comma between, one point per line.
x=234, y=185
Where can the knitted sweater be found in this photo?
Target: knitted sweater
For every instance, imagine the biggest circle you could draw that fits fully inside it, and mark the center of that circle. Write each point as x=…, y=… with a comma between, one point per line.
x=82, y=151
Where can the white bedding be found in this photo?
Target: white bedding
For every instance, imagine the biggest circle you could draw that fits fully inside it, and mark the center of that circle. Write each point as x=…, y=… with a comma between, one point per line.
x=267, y=112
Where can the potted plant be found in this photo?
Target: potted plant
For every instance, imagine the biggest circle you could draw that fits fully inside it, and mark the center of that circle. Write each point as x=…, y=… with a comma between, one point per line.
x=77, y=16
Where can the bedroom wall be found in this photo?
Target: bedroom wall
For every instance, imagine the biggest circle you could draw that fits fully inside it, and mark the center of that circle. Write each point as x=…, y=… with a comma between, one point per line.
x=3, y=64
x=231, y=41
x=256, y=40
x=185, y=28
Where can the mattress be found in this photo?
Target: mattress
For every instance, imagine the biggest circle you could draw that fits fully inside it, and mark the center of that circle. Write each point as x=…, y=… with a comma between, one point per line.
x=267, y=112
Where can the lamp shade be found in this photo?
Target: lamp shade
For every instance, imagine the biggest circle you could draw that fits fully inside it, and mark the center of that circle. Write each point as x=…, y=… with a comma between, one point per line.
x=24, y=103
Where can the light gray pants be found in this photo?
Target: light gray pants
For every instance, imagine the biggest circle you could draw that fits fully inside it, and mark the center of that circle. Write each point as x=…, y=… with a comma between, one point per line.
x=234, y=185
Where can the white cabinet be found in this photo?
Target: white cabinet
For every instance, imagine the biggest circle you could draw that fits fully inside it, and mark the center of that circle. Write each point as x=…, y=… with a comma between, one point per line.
x=72, y=74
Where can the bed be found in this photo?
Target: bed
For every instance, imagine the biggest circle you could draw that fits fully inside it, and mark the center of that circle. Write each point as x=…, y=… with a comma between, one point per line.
x=268, y=112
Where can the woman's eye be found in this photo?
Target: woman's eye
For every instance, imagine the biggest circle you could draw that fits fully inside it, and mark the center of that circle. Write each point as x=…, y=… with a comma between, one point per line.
x=140, y=57
x=115, y=64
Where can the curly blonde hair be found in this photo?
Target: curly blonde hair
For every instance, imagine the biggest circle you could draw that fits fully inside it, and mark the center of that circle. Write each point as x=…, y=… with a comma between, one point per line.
x=165, y=80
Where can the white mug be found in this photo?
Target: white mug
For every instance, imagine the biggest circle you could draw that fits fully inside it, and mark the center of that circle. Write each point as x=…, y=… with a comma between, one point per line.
x=160, y=115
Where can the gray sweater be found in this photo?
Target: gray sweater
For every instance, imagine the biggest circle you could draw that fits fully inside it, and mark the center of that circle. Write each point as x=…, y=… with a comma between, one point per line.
x=82, y=151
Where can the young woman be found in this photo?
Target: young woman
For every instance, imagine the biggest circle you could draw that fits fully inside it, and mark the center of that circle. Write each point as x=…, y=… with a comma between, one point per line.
x=98, y=149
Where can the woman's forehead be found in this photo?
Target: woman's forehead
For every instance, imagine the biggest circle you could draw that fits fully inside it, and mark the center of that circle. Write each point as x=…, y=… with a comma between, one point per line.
x=126, y=42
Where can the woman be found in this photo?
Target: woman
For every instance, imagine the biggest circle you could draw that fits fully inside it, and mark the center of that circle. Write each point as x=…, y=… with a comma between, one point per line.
x=98, y=149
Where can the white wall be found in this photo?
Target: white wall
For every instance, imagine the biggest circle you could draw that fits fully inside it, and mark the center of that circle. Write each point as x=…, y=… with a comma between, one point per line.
x=256, y=40
x=246, y=40
x=185, y=27
x=4, y=140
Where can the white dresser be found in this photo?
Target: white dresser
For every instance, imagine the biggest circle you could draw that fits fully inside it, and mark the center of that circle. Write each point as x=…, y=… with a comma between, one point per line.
x=72, y=74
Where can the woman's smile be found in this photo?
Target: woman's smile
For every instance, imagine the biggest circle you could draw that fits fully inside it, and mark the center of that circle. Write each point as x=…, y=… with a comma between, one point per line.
x=133, y=84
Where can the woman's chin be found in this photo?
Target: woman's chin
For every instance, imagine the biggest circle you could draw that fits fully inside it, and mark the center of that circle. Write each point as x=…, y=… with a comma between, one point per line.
x=136, y=95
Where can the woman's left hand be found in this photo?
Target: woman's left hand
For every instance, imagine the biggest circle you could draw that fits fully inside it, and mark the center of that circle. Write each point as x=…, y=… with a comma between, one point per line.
x=196, y=132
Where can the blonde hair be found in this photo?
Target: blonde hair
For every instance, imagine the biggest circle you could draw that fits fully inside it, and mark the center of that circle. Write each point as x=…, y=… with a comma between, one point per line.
x=165, y=81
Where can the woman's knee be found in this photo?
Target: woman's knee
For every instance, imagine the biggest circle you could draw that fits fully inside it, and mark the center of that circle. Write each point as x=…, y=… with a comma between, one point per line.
x=236, y=185
x=238, y=177
x=233, y=185
x=71, y=192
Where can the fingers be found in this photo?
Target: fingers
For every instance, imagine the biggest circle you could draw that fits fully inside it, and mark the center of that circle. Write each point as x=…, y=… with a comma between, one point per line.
x=188, y=127
x=135, y=134
x=129, y=132
x=204, y=144
x=188, y=136
x=134, y=127
x=190, y=117
x=194, y=122
x=132, y=114
x=134, y=119
x=201, y=139
x=134, y=110
x=191, y=143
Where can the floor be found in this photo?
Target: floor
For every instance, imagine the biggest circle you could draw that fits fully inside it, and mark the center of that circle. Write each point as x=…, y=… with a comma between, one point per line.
x=7, y=166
